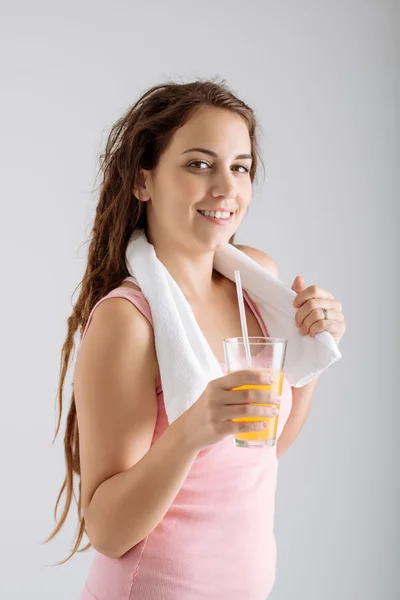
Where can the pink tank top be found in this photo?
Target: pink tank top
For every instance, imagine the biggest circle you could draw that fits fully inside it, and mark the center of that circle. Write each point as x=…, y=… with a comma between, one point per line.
x=216, y=542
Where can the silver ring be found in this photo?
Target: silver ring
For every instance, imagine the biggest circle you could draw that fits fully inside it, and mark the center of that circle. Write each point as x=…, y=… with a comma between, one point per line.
x=325, y=313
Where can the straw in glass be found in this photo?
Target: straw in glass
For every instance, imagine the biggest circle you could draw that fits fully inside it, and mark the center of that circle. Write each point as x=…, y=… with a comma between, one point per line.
x=243, y=317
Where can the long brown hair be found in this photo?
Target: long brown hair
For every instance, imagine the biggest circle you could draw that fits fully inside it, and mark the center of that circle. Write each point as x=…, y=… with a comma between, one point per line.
x=135, y=141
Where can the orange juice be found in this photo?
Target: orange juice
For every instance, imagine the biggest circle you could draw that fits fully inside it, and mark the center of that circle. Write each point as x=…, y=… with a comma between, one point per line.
x=268, y=434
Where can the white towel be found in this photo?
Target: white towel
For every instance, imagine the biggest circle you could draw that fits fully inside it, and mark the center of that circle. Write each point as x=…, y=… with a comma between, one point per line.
x=185, y=359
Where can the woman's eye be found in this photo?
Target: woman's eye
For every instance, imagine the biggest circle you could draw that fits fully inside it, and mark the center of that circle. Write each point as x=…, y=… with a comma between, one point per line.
x=199, y=162
x=246, y=169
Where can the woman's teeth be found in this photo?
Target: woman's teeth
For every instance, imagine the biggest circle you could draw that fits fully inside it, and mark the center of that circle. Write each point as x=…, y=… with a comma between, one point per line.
x=215, y=214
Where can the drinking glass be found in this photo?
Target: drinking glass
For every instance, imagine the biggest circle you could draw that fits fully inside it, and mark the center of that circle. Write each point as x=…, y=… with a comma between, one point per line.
x=266, y=353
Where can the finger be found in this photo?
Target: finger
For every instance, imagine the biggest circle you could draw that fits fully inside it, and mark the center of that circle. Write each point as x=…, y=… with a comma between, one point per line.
x=231, y=427
x=323, y=325
x=315, y=304
x=245, y=376
x=313, y=291
x=250, y=396
x=248, y=410
x=333, y=327
x=318, y=318
x=247, y=426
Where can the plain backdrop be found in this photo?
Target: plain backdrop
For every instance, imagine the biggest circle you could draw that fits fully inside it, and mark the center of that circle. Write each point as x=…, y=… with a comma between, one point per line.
x=323, y=79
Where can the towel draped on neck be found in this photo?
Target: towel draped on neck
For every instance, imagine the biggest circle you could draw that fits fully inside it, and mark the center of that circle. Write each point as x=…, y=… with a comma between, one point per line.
x=185, y=359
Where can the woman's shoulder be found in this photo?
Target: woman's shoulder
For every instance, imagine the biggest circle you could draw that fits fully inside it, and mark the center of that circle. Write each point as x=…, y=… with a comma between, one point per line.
x=263, y=259
x=128, y=284
x=114, y=305
x=113, y=320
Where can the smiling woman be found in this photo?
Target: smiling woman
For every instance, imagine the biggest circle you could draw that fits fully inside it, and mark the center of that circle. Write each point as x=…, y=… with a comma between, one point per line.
x=158, y=501
x=216, y=183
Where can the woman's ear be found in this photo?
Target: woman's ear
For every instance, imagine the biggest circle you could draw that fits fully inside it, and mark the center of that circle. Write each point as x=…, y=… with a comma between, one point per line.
x=140, y=191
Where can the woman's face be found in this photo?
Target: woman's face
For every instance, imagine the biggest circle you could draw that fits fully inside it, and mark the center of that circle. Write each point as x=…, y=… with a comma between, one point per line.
x=185, y=181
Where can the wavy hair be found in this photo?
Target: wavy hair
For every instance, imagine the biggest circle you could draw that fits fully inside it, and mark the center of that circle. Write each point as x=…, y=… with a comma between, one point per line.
x=136, y=141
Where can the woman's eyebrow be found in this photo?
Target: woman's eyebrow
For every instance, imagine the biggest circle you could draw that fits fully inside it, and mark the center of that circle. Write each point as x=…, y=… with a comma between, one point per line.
x=212, y=153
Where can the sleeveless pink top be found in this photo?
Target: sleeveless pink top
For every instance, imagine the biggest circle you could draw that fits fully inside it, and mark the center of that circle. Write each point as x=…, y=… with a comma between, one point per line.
x=216, y=541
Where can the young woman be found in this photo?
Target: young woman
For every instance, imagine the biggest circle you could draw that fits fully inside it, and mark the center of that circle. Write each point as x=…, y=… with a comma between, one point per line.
x=174, y=512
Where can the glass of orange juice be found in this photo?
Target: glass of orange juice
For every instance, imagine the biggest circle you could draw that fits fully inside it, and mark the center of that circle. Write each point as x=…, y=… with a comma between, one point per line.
x=266, y=353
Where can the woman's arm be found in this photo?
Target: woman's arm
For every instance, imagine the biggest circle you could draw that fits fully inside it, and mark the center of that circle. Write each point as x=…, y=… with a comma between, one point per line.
x=301, y=396
x=127, y=484
x=301, y=405
x=312, y=323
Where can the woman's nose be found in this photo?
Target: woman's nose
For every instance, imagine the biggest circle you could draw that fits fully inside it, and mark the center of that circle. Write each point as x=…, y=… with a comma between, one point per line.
x=223, y=185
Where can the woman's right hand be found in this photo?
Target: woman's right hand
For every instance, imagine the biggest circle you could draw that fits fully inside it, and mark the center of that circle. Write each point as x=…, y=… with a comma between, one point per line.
x=209, y=419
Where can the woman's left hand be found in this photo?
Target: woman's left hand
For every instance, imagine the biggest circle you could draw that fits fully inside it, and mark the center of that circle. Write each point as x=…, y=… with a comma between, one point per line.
x=310, y=317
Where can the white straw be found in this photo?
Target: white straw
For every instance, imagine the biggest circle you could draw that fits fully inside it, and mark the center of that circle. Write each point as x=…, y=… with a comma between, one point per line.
x=243, y=317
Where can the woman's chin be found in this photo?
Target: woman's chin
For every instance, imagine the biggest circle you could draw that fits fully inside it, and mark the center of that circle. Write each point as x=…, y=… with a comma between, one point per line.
x=215, y=243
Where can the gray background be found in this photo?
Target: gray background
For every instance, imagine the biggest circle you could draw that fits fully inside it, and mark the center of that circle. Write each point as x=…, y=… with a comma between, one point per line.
x=323, y=79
